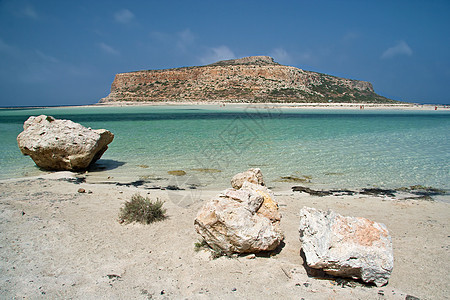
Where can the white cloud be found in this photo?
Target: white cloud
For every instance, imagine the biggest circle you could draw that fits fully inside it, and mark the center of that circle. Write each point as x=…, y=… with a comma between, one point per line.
x=401, y=48
x=29, y=12
x=306, y=57
x=46, y=57
x=108, y=49
x=181, y=40
x=350, y=36
x=216, y=54
x=160, y=37
x=124, y=16
x=281, y=56
x=185, y=38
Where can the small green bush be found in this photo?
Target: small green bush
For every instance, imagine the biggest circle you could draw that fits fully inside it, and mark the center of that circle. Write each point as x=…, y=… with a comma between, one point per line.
x=201, y=244
x=216, y=252
x=142, y=210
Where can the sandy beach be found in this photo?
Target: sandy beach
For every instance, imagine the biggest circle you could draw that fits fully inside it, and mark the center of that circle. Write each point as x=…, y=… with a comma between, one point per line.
x=58, y=243
x=358, y=106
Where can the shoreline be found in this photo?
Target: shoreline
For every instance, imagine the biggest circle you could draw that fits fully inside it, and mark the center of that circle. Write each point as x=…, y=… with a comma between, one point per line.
x=176, y=184
x=348, y=106
x=355, y=106
x=61, y=243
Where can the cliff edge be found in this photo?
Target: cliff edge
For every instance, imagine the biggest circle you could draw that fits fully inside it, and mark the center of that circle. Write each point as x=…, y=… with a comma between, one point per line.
x=248, y=79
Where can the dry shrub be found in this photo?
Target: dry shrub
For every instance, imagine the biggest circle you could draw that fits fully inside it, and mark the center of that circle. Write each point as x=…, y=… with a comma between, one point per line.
x=142, y=210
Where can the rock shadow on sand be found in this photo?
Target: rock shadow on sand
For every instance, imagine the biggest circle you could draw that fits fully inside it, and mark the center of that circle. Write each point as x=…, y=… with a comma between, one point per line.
x=105, y=165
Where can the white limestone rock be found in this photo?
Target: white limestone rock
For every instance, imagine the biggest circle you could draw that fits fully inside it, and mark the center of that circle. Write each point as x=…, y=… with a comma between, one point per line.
x=253, y=175
x=244, y=220
x=55, y=144
x=346, y=246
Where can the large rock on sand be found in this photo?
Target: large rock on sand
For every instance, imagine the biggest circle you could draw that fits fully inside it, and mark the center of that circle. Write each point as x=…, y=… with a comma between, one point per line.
x=346, y=246
x=253, y=175
x=244, y=220
x=62, y=144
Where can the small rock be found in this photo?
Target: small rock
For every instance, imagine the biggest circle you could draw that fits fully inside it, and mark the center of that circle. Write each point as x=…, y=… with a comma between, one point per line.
x=234, y=289
x=251, y=256
x=173, y=188
x=253, y=175
x=81, y=190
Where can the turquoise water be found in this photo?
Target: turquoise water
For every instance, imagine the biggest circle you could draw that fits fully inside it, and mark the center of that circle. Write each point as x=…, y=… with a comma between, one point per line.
x=330, y=148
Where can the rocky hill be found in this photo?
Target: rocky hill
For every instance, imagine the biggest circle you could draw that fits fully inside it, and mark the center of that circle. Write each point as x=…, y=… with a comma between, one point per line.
x=248, y=79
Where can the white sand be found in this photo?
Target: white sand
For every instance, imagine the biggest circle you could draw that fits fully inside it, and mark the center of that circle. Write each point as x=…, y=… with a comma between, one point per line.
x=58, y=243
x=331, y=105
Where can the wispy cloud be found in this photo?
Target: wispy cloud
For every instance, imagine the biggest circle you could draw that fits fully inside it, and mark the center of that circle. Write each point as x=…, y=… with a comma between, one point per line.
x=108, y=49
x=46, y=57
x=185, y=38
x=401, y=48
x=181, y=40
x=350, y=36
x=215, y=54
x=281, y=56
x=30, y=12
x=124, y=16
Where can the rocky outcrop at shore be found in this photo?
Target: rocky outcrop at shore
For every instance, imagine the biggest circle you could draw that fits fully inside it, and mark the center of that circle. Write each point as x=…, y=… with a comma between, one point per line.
x=243, y=220
x=346, y=246
x=55, y=144
x=248, y=79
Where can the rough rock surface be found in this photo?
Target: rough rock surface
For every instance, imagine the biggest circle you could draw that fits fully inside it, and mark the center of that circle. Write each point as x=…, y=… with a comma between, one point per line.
x=248, y=79
x=55, y=144
x=253, y=175
x=346, y=246
x=244, y=220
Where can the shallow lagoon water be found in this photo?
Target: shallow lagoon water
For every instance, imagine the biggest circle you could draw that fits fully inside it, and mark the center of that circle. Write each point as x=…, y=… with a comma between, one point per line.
x=326, y=148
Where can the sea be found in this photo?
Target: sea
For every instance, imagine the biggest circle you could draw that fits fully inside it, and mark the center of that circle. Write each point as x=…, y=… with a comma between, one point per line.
x=317, y=148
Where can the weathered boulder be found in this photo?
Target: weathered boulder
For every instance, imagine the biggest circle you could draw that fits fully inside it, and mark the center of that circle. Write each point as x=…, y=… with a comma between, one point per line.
x=346, y=246
x=269, y=207
x=253, y=175
x=55, y=144
x=244, y=220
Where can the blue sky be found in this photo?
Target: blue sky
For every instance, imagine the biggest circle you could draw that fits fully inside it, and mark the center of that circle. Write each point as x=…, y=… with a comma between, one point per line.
x=67, y=52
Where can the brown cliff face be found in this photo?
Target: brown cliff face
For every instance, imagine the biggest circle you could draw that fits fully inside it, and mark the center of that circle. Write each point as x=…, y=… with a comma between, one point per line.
x=249, y=79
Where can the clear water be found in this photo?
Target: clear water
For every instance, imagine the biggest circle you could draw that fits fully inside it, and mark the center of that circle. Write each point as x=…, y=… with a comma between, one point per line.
x=331, y=148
